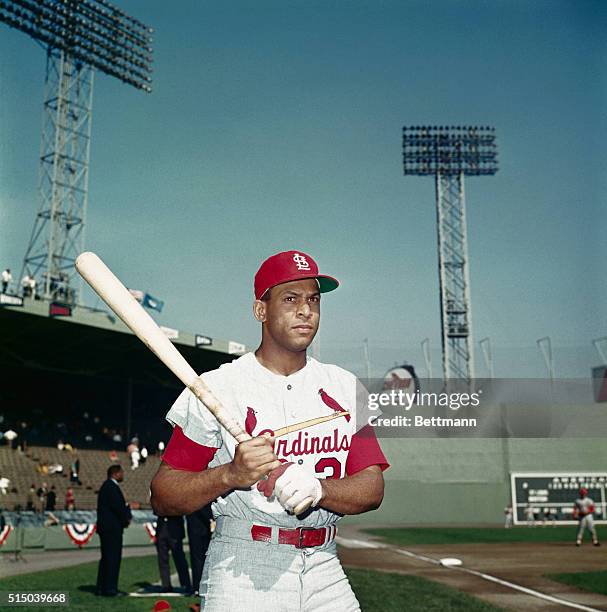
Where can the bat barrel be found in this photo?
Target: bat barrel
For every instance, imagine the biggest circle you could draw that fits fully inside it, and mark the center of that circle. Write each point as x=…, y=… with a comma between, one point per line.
x=119, y=299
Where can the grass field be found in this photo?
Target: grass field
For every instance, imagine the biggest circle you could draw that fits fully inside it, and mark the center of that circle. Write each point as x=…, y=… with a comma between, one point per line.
x=377, y=591
x=596, y=582
x=385, y=592
x=472, y=535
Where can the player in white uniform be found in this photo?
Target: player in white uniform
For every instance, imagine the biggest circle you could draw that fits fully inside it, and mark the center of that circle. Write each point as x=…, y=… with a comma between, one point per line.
x=265, y=553
x=583, y=510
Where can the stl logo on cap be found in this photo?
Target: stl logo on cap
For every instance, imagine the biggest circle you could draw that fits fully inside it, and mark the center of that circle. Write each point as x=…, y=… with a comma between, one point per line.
x=301, y=262
x=279, y=269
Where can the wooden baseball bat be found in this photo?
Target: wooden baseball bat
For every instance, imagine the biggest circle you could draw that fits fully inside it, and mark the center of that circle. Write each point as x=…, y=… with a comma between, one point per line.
x=118, y=298
x=283, y=431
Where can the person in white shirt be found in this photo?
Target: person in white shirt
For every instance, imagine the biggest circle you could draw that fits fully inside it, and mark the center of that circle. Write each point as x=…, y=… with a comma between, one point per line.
x=7, y=278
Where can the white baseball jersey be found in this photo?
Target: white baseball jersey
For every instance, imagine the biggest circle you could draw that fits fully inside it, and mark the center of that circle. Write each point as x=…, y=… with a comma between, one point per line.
x=265, y=401
x=584, y=506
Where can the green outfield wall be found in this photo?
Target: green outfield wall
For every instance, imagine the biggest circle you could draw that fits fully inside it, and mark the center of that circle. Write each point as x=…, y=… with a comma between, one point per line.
x=467, y=481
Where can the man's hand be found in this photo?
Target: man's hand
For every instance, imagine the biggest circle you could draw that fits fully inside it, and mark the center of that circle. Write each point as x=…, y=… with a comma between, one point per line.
x=253, y=460
x=297, y=489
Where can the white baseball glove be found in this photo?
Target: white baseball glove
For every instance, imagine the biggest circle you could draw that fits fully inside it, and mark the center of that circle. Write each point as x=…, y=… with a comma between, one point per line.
x=297, y=489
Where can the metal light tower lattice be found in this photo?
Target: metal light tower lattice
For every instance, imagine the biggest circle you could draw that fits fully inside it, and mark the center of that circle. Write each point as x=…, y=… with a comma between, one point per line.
x=80, y=36
x=450, y=153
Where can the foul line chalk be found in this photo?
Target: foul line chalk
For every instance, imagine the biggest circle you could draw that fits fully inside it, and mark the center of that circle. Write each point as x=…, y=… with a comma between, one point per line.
x=350, y=543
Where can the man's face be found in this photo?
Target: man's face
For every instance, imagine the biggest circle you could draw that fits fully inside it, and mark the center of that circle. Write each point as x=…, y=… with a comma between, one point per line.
x=119, y=476
x=292, y=314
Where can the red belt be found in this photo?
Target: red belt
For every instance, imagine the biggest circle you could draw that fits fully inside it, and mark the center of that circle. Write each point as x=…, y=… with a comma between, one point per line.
x=301, y=537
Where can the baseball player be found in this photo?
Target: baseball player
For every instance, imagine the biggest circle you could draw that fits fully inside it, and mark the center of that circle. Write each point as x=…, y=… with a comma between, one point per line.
x=583, y=510
x=508, y=517
x=274, y=543
x=530, y=515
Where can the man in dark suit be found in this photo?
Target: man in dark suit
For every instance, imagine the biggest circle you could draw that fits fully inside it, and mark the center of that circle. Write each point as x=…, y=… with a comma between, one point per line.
x=169, y=536
x=51, y=499
x=199, y=536
x=113, y=515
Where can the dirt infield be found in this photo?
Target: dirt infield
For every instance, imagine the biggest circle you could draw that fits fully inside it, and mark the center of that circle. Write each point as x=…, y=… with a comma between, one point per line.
x=521, y=564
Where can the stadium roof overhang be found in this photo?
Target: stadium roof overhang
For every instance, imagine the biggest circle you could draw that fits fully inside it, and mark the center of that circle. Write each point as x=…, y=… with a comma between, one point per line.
x=96, y=344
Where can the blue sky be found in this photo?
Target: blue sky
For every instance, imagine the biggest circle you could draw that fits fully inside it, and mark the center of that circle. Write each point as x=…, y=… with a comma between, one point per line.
x=277, y=125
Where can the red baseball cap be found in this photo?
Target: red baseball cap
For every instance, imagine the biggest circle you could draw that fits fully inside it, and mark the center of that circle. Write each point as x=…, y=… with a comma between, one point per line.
x=161, y=606
x=290, y=266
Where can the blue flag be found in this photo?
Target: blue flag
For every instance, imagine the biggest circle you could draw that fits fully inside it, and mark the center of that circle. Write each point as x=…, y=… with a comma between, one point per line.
x=152, y=303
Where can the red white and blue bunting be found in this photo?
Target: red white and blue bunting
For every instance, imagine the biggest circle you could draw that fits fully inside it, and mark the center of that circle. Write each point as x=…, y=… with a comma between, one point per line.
x=151, y=529
x=4, y=533
x=80, y=533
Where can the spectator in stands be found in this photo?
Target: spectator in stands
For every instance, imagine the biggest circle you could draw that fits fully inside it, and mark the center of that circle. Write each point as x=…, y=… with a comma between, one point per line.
x=7, y=278
x=4, y=484
x=70, y=500
x=42, y=493
x=25, y=285
x=75, y=471
x=51, y=499
x=10, y=436
x=113, y=516
x=135, y=456
x=113, y=456
x=28, y=286
x=144, y=454
x=55, y=468
x=160, y=446
x=60, y=445
x=169, y=537
x=31, y=496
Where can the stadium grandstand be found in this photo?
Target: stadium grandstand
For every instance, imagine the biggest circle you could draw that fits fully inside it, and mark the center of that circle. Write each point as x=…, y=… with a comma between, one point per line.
x=78, y=386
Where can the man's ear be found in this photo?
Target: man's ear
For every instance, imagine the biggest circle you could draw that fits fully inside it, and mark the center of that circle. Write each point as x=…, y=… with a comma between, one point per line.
x=259, y=310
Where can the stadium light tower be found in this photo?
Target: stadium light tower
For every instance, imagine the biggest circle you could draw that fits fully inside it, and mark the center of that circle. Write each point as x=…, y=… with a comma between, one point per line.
x=450, y=153
x=79, y=36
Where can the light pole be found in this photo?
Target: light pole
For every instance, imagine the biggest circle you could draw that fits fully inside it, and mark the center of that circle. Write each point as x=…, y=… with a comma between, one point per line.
x=79, y=37
x=448, y=153
x=545, y=346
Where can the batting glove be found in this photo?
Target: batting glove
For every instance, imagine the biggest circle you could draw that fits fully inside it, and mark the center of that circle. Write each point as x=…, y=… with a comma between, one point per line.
x=297, y=489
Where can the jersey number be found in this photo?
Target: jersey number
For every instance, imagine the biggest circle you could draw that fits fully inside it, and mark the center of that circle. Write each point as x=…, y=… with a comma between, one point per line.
x=331, y=463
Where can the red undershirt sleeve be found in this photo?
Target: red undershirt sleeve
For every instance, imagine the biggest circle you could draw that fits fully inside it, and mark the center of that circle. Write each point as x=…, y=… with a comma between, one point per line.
x=364, y=452
x=182, y=453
